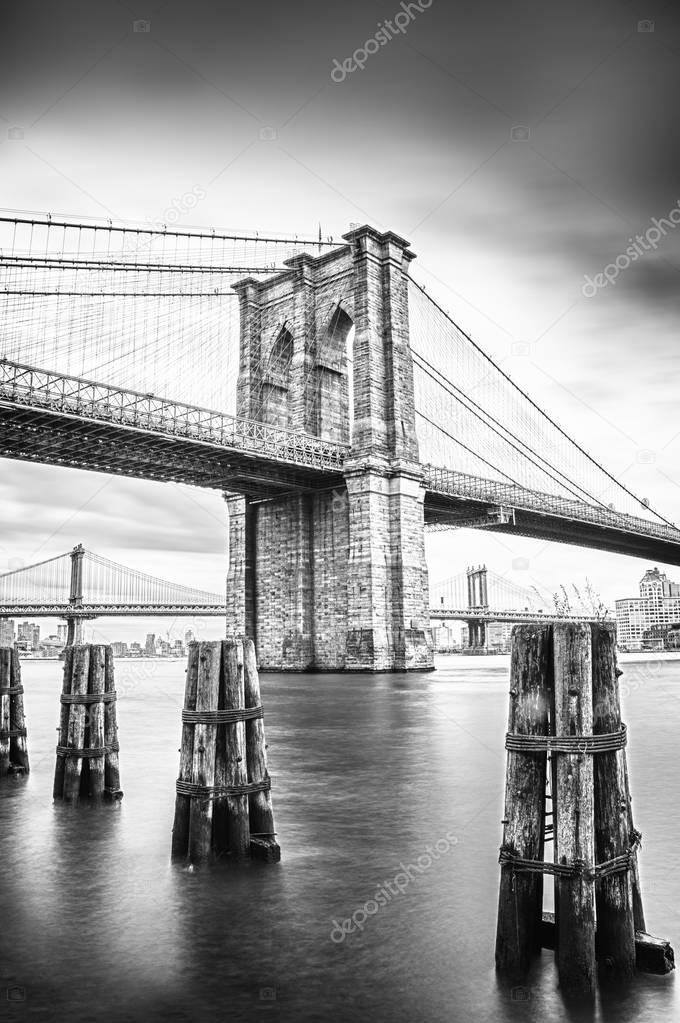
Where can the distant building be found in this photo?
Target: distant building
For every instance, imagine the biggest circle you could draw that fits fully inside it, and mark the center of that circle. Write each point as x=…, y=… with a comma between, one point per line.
x=645, y=622
x=189, y=636
x=119, y=649
x=51, y=646
x=150, y=644
x=62, y=632
x=6, y=632
x=28, y=635
x=444, y=637
x=499, y=637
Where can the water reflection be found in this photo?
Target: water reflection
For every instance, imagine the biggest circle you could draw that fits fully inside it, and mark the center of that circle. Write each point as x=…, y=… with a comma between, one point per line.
x=368, y=773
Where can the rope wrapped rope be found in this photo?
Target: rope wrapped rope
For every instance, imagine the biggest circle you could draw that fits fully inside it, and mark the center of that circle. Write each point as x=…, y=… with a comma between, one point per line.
x=617, y=865
x=220, y=717
x=188, y=788
x=10, y=733
x=89, y=698
x=607, y=742
x=12, y=691
x=95, y=751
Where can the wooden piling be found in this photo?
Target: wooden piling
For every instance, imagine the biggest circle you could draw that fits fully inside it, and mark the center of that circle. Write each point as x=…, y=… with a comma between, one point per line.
x=112, y=789
x=613, y=892
x=64, y=713
x=574, y=811
x=595, y=861
x=5, y=675
x=75, y=733
x=236, y=771
x=518, y=935
x=638, y=909
x=18, y=752
x=94, y=736
x=203, y=759
x=219, y=773
x=263, y=842
x=180, y=830
x=87, y=752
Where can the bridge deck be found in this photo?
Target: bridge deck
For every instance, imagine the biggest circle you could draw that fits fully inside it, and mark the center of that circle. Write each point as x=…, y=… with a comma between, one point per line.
x=70, y=421
x=47, y=417
x=454, y=496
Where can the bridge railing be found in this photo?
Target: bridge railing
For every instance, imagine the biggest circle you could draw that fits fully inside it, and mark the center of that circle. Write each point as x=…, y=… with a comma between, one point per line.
x=107, y=610
x=447, y=481
x=489, y=615
x=37, y=388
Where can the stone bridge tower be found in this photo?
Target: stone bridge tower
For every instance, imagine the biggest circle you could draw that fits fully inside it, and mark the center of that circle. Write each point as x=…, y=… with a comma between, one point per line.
x=335, y=579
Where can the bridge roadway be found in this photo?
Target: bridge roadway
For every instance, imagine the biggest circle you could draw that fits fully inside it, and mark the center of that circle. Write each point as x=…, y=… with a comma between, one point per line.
x=112, y=610
x=84, y=611
x=481, y=614
x=69, y=421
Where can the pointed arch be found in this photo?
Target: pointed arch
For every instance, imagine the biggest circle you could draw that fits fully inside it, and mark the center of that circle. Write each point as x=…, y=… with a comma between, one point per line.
x=274, y=402
x=332, y=400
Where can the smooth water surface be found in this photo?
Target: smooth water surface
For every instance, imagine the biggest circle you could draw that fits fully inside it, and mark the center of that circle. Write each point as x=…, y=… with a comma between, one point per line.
x=368, y=771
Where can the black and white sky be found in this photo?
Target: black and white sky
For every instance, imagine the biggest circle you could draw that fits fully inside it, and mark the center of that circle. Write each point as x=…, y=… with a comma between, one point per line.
x=517, y=146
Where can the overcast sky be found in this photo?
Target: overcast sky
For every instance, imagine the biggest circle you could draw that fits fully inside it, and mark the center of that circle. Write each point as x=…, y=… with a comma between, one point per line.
x=117, y=122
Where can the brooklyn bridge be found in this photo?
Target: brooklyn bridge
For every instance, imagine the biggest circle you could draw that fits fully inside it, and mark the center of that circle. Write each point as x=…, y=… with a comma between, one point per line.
x=338, y=407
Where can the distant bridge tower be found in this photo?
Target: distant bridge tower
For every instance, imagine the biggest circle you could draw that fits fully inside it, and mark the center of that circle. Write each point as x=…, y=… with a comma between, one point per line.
x=75, y=597
x=478, y=598
x=334, y=579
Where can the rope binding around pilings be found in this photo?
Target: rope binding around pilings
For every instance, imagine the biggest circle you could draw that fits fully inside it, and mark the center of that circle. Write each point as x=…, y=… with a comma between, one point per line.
x=221, y=717
x=95, y=751
x=88, y=698
x=616, y=865
x=212, y=792
x=607, y=742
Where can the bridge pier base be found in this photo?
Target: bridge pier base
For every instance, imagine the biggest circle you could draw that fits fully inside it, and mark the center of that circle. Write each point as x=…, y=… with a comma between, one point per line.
x=332, y=581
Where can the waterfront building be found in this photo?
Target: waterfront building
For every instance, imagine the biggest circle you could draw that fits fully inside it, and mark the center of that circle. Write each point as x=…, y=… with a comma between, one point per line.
x=644, y=622
x=6, y=632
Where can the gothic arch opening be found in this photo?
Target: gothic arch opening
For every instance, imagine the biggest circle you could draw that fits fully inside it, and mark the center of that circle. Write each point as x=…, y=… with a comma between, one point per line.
x=332, y=398
x=275, y=386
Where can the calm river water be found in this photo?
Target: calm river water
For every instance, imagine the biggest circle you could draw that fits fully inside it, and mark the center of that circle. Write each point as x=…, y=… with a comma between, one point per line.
x=367, y=772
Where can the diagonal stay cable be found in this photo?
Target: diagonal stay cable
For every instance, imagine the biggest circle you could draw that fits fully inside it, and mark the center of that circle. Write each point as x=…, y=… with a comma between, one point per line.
x=533, y=404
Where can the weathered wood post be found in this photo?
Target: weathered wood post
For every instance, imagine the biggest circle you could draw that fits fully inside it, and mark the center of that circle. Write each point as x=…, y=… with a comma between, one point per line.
x=180, y=830
x=87, y=753
x=613, y=892
x=520, y=900
x=13, y=743
x=234, y=775
x=574, y=811
x=222, y=759
x=263, y=842
x=565, y=702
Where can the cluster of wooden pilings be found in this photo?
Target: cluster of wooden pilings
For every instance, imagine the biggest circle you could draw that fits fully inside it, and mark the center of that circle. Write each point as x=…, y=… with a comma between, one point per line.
x=566, y=747
x=87, y=755
x=223, y=806
x=13, y=742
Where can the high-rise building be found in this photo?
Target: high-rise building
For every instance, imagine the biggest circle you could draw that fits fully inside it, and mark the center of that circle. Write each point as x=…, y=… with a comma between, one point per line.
x=643, y=622
x=150, y=644
x=189, y=636
x=6, y=632
x=28, y=635
x=62, y=631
